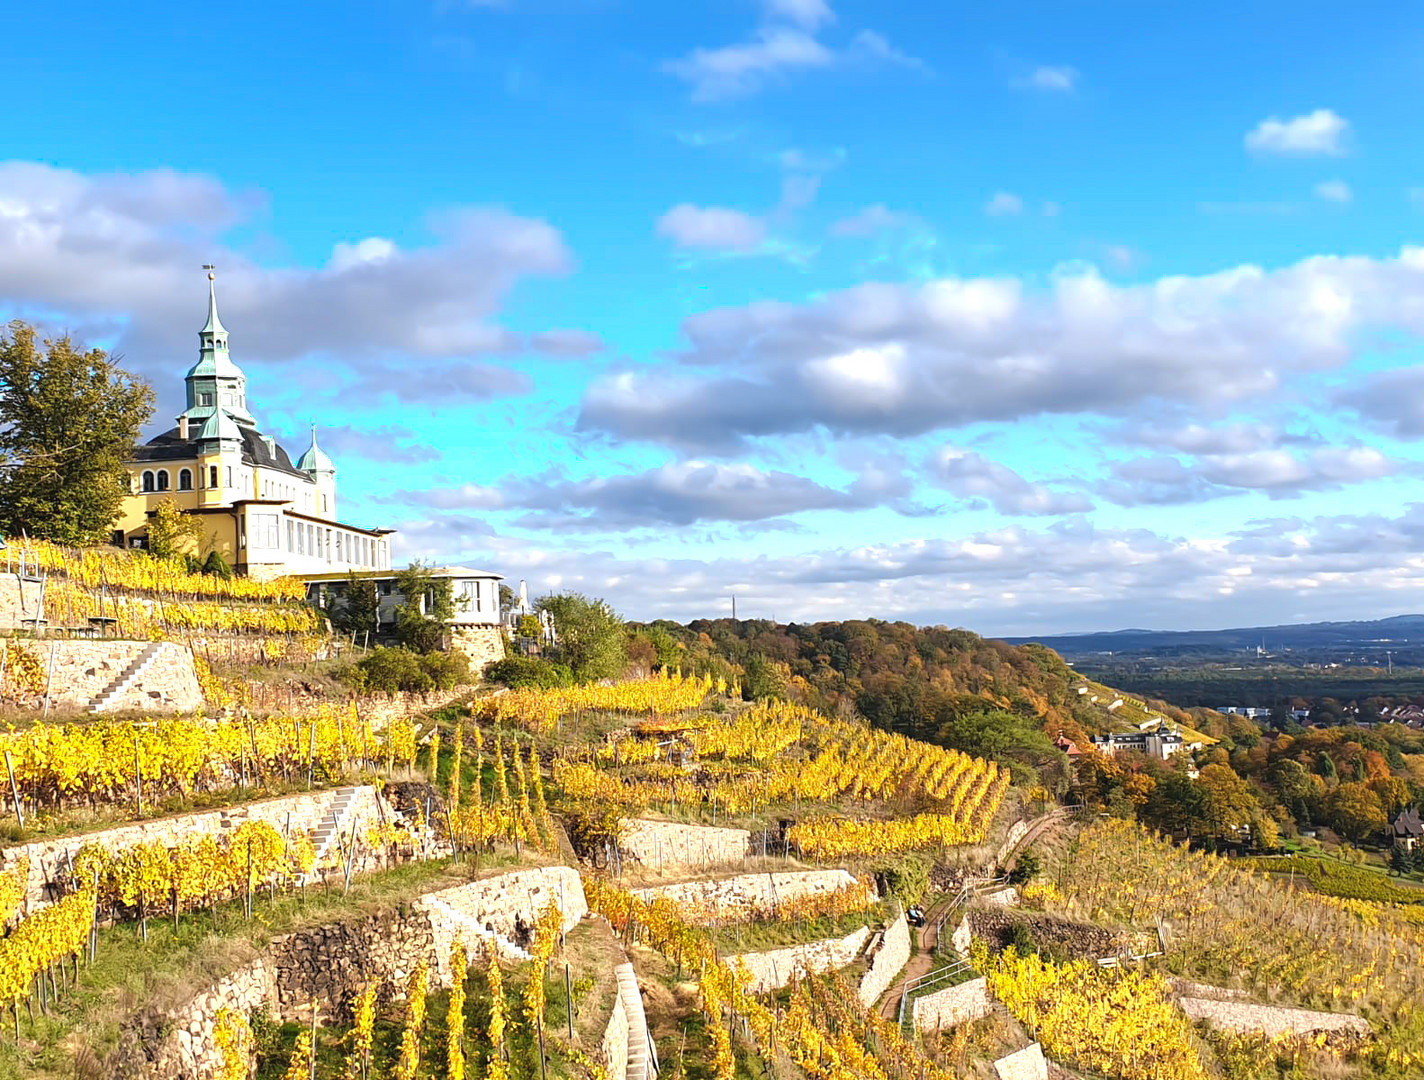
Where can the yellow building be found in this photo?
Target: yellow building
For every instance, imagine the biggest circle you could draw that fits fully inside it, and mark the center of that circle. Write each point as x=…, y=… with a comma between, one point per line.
x=265, y=515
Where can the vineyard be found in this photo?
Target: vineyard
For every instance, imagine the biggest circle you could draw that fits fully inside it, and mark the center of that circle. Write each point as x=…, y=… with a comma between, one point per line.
x=1263, y=933
x=780, y=755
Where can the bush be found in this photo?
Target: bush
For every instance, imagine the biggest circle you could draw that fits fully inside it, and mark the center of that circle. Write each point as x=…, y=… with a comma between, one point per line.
x=1025, y=869
x=907, y=880
x=446, y=670
x=521, y=671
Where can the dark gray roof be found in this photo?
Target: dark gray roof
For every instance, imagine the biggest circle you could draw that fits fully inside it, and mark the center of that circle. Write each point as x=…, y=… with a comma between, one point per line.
x=1408, y=823
x=169, y=447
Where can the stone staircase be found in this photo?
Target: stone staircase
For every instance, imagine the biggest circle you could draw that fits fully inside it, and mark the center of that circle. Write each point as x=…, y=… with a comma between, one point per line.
x=642, y=1065
x=324, y=835
x=126, y=678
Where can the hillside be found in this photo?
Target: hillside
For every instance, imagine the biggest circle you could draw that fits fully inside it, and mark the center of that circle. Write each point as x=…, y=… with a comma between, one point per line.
x=949, y=687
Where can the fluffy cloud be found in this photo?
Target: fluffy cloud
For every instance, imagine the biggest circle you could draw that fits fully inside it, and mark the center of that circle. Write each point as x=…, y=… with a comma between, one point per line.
x=1334, y=191
x=786, y=42
x=972, y=476
x=909, y=359
x=117, y=257
x=676, y=494
x=1278, y=473
x=1055, y=79
x=1322, y=132
x=574, y=343
x=390, y=443
x=1071, y=575
x=1392, y=400
x=711, y=228
x=1004, y=203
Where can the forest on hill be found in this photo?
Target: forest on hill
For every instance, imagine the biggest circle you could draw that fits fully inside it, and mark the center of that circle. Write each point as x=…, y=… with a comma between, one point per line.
x=946, y=686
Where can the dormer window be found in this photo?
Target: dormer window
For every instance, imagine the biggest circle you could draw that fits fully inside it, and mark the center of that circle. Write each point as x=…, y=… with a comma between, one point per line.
x=205, y=399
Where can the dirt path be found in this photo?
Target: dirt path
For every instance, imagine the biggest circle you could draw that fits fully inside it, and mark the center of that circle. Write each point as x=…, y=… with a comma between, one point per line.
x=920, y=963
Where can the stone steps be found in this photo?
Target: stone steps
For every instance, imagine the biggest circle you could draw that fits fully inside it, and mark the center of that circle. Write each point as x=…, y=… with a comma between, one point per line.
x=640, y=1064
x=126, y=678
x=324, y=836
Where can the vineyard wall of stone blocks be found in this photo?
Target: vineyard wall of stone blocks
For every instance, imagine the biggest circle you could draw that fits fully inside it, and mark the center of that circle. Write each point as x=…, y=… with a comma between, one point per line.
x=613, y=1050
x=956, y=1005
x=886, y=962
x=775, y=968
x=755, y=895
x=667, y=845
x=333, y=962
x=77, y=671
x=294, y=813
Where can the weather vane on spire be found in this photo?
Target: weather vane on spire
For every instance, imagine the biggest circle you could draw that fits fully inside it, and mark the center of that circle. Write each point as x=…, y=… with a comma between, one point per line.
x=209, y=267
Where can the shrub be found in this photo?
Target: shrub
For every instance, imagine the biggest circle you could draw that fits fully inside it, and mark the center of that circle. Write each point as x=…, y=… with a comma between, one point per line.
x=1025, y=869
x=388, y=670
x=517, y=672
x=906, y=880
x=446, y=670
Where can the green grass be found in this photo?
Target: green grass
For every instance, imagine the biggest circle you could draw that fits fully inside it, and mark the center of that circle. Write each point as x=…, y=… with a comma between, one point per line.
x=1335, y=878
x=775, y=934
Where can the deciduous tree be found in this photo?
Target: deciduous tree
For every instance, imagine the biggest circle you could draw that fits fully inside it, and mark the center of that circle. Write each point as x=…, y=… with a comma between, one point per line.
x=68, y=422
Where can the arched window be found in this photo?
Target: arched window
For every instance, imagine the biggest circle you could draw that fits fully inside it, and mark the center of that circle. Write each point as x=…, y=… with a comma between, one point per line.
x=185, y=479
x=147, y=480
x=162, y=479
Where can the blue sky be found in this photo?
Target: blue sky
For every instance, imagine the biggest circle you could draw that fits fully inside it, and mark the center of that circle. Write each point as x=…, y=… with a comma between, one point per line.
x=1023, y=317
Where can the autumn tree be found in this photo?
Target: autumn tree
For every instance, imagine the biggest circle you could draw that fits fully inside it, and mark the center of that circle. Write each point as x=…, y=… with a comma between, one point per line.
x=429, y=605
x=1355, y=811
x=69, y=420
x=172, y=533
x=590, y=635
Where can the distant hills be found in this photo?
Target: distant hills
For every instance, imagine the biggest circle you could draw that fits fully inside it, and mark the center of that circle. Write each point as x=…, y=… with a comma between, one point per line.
x=1374, y=635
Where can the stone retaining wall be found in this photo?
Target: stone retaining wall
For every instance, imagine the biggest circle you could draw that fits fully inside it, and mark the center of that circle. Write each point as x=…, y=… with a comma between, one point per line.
x=294, y=813
x=613, y=1050
x=749, y=895
x=776, y=968
x=482, y=644
x=82, y=670
x=1270, y=1020
x=1025, y=1064
x=885, y=962
x=332, y=963
x=660, y=845
x=957, y=1005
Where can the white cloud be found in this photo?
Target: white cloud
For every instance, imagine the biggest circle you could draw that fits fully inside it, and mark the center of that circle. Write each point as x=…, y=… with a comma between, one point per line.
x=743, y=69
x=1060, y=79
x=1320, y=132
x=373, y=249
x=807, y=14
x=871, y=220
x=970, y=475
x=1334, y=191
x=1003, y=203
x=1069, y=575
x=986, y=349
x=117, y=257
x=716, y=228
x=786, y=42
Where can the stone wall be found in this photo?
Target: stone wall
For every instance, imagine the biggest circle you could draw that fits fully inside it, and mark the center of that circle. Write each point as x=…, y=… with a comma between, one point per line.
x=180, y=1043
x=82, y=670
x=1017, y=831
x=482, y=644
x=295, y=813
x=886, y=961
x=957, y=1005
x=334, y=962
x=613, y=1050
x=749, y=896
x=660, y=845
x=1269, y=1020
x=776, y=968
x=1025, y=1064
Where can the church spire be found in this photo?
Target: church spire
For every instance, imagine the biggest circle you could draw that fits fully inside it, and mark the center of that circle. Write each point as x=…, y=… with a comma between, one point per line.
x=214, y=324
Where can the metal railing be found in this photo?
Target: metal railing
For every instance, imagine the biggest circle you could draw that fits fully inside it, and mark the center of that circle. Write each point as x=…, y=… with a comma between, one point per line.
x=932, y=978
